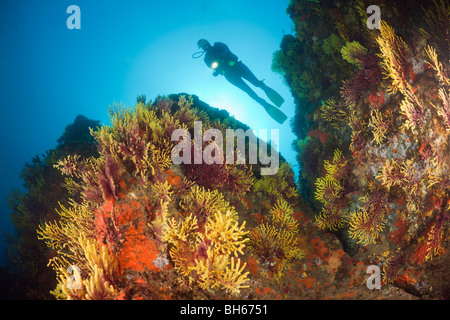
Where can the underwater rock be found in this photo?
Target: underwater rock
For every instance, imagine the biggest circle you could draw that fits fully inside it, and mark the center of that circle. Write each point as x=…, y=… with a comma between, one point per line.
x=79, y=130
x=390, y=133
x=160, y=235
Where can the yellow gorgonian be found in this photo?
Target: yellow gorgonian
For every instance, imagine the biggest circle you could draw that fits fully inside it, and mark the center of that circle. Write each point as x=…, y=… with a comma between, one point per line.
x=390, y=174
x=281, y=216
x=331, y=218
x=327, y=189
x=365, y=227
x=205, y=257
x=275, y=248
x=393, y=54
x=381, y=125
x=352, y=51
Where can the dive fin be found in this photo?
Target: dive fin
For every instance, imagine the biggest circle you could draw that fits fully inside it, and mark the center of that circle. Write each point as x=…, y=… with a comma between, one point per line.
x=274, y=96
x=274, y=113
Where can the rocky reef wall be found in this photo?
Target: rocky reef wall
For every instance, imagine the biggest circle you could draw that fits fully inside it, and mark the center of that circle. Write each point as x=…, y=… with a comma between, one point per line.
x=372, y=121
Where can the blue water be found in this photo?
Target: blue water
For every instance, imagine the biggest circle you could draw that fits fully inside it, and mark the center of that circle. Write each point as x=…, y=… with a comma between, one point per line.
x=49, y=74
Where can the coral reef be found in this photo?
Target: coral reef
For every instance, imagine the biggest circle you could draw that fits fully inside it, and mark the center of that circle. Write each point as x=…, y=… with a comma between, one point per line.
x=27, y=256
x=390, y=206
x=134, y=218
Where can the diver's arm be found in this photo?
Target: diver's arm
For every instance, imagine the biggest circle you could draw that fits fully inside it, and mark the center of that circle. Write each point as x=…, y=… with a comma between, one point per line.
x=218, y=71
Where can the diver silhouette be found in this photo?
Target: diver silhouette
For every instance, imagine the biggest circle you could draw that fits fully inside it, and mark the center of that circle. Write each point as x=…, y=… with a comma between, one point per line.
x=219, y=58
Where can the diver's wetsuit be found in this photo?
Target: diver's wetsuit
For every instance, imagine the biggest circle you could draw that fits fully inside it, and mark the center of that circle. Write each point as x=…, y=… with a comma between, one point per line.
x=233, y=70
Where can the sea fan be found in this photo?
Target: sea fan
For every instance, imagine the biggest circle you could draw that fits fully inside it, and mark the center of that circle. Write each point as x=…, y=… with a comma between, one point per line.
x=394, y=265
x=362, y=80
x=275, y=248
x=436, y=234
x=353, y=52
x=333, y=113
x=365, y=227
x=394, y=55
x=205, y=256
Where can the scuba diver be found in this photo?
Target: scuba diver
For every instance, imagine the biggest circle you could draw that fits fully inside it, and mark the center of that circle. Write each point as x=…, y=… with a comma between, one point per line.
x=219, y=58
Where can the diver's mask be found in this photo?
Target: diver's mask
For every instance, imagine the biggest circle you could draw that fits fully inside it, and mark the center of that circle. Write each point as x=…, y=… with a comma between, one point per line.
x=202, y=44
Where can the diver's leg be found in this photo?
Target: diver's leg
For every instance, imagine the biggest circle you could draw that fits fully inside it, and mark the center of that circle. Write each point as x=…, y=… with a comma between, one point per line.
x=246, y=73
x=236, y=80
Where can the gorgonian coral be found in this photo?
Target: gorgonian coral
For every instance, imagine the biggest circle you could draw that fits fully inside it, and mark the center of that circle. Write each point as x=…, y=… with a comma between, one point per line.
x=99, y=284
x=187, y=114
x=130, y=141
x=70, y=165
x=278, y=186
x=235, y=178
x=359, y=138
x=330, y=218
x=138, y=136
x=442, y=75
x=203, y=203
x=281, y=217
x=349, y=92
x=381, y=124
x=362, y=80
x=394, y=265
x=207, y=258
x=339, y=168
x=413, y=183
x=394, y=55
x=353, y=52
x=398, y=69
x=99, y=179
x=332, y=191
x=365, y=227
x=444, y=109
x=413, y=112
x=366, y=223
x=274, y=243
x=333, y=113
x=438, y=21
x=109, y=176
x=275, y=249
x=436, y=234
x=390, y=174
x=327, y=189
x=84, y=269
